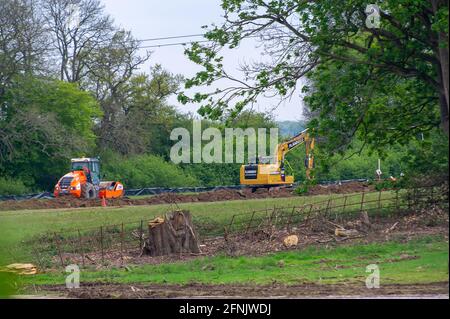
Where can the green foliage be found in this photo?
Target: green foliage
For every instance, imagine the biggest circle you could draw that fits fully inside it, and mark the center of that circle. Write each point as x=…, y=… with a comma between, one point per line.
x=138, y=118
x=146, y=171
x=304, y=187
x=390, y=184
x=251, y=119
x=142, y=170
x=380, y=110
x=428, y=156
x=382, y=85
x=377, y=86
x=7, y=284
x=343, y=167
x=12, y=187
x=75, y=110
x=339, y=265
x=44, y=123
x=214, y=174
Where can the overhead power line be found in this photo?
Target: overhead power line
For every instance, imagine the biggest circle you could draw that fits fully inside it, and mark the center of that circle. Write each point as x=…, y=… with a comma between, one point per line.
x=172, y=44
x=173, y=37
x=192, y=35
x=178, y=43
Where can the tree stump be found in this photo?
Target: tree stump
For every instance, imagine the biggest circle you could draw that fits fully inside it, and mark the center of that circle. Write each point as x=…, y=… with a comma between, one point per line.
x=173, y=234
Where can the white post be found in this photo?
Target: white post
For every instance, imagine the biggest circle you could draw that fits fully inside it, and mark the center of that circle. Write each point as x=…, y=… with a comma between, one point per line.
x=378, y=171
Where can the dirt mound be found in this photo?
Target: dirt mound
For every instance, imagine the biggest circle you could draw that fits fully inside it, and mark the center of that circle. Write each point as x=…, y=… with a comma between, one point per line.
x=66, y=202
x=221, y=195
x=168, y=198
x=347, y=188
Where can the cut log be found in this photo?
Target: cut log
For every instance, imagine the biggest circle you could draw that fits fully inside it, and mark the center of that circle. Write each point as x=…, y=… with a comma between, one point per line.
x=21, y=269
x=173, y=234
x=290, y=241
x=341, y=232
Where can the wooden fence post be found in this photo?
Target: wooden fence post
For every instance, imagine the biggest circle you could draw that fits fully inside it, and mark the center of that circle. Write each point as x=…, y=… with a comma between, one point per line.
x=362, y=201
x=309, y=214
x=228, y=229
x=409, y=200
x=269, y=224
x=327, y=211
x=397, y=200
x=141, y=234
x=290, y=220
x=379, y=203
x=121, y=242
x=101, y=244
x=345, y=204
x=58, y=246
x=80, y=242
x=37, y=249
x=249, y=223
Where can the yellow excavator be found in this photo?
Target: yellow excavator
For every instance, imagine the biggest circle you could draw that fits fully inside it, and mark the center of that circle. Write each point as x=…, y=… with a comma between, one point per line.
x=267, y=172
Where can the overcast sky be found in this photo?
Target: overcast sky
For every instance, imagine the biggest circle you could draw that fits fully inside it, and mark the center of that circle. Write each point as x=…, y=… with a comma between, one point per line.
x=156, y=19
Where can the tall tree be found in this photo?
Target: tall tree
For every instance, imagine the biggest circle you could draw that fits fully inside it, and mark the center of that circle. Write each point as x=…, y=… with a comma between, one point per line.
x=147, y=112
x=22, y=40
x=45, y=124
x=409, y=46
x=78, y=27
x=111, y=67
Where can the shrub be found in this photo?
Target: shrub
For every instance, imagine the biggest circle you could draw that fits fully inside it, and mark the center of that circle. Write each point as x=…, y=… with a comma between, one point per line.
x=389, y=184
x=12, y=187
x=146, y=171
x=304, y=187
x=214, y=174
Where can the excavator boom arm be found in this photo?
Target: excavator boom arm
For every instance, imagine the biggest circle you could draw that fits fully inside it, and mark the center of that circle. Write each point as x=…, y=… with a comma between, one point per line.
x=273, y=174
x=300, y=139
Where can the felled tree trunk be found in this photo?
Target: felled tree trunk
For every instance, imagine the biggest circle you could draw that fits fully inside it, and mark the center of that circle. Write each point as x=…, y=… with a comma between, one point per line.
x=171, y=235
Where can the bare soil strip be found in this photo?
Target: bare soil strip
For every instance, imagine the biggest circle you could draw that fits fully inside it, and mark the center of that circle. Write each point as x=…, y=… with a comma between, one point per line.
x=276, y=290
x=216, y=196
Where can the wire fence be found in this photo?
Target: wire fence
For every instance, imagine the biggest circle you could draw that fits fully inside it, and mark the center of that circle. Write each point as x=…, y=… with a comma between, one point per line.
x=340, y=209
x=97, y=245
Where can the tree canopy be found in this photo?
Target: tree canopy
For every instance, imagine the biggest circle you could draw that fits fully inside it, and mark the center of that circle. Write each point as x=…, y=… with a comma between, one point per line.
x=383, y=83
x=72, y=84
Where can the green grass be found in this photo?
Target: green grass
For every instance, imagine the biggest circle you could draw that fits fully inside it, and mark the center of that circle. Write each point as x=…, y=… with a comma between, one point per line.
x=319, y=265
x=19, y=226
x=340, y=264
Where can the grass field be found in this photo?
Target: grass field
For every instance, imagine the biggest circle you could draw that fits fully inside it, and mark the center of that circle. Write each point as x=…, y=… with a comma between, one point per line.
x=18, y=226
x=420, y=261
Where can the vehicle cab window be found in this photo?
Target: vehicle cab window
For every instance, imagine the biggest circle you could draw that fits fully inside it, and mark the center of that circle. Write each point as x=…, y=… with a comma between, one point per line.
x=94, y=168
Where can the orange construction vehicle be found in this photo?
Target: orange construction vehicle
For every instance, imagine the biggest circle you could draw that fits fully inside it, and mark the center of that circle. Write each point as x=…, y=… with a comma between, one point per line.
x=84, y=181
